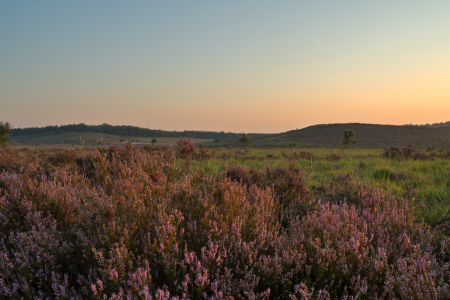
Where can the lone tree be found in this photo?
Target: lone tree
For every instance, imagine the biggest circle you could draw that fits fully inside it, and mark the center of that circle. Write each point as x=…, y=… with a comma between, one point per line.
x=4, y=132
x=153, y=141
x=244, y=140
x=348, y=134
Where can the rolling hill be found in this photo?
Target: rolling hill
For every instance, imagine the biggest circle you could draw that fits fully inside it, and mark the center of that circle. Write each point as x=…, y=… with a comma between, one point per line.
x=367, y=136
x=325, y=135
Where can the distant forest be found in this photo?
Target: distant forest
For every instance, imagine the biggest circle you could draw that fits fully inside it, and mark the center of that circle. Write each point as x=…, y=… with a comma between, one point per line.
x=131, y=131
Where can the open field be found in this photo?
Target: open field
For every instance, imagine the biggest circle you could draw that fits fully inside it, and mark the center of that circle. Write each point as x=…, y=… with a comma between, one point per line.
x=425, y=183
x=329, y=136
x=267, y=223
x=367, y=136
x=72, y=139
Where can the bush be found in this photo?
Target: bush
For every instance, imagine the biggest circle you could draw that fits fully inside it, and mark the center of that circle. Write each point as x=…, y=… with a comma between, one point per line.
x=244, y=140
x=202, y=154
x=304, y=155
x=62, y=157
x=348, y=142
x=185, y=147
x=239, y=174
x=138, y=229
x=5, y=128
x=408, y=152
x=334, y=156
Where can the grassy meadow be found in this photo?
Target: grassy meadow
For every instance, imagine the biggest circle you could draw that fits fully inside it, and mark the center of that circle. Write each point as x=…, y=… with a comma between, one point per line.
x=191, y=222
x=425, y=183
x=79, y=139
x=369, y=136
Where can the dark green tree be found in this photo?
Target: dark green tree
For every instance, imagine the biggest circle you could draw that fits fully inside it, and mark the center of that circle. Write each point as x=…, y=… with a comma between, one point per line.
x=4, y=132
x=153, y=141
x=244, y=140
x=348, y=142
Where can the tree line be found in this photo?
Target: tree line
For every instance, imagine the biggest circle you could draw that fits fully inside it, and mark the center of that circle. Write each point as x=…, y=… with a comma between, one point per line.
x=123, y=130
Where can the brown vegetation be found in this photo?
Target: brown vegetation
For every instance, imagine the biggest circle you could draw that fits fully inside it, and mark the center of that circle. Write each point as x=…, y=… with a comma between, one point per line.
x=125, y=223
x=368, y=136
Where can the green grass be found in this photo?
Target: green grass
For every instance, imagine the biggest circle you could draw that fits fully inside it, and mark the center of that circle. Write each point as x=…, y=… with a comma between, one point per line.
x=424, y=183
x=72, y=139
x=367, y=136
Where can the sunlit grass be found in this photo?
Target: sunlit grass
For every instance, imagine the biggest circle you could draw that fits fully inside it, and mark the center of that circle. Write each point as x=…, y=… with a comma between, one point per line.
x=425, y=183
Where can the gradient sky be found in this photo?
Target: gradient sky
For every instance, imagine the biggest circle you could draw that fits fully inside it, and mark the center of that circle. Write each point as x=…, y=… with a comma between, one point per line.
x=253, y=66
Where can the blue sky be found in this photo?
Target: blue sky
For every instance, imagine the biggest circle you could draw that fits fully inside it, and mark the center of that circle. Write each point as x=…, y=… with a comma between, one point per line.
x=259, y=66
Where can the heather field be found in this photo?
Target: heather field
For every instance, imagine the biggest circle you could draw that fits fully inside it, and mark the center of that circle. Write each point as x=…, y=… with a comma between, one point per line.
x=133, y=222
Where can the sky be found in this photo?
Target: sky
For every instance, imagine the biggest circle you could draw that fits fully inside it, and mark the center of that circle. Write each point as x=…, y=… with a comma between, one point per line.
x=252, y=66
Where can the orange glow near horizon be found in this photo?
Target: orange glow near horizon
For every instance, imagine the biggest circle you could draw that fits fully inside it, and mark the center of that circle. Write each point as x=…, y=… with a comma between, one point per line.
x=233, y=67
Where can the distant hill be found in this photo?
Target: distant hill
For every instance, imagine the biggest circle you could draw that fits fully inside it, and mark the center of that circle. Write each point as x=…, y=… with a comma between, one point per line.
x=367, y=136
x=442, y=124
x=328, y=135
x=131, y=131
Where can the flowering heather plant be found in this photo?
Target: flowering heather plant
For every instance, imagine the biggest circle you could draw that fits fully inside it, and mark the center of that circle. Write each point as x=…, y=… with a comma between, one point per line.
x=239, y=174
x=134, y=227
x=185, y=147
x=304, y=155
x=202, y=154
x=61, y=157
x=11, y=159
x=410, y=152
x=151, y=148
x=334, y=156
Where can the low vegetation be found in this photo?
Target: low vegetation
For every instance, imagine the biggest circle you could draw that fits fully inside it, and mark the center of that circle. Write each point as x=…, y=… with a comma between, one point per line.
x=369, y=136
x=348, y=142
x=5, y=129
x=121, y=130
x=235, y=223
x=72, y=139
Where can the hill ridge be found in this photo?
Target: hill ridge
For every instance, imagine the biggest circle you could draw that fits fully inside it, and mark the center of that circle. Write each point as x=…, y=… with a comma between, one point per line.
x=367, y=136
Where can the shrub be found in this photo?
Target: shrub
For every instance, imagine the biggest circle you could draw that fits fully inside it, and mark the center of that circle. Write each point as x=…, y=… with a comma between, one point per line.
x=348, y=142
x=5, y=128
x=9, y=159
x=202, y=154
x=185, y=147
x=61, y=157
x=139, y=230
x=304, y=155
x=239, y=174
x=334, y=156
x=408, y=152
x=151, y=148
x=244, y=140
x=288, y=185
